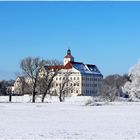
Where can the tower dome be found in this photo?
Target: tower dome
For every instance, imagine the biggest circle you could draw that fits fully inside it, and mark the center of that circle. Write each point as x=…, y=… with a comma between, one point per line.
x=69, y=52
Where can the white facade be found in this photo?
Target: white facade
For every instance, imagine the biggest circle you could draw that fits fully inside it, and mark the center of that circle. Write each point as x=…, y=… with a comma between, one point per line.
x=73, y=86
x=22, y=85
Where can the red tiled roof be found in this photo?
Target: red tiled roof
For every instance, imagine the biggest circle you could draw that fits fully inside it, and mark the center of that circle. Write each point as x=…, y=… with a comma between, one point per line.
x=59, y=67
x=55, y=67
x=68, y=65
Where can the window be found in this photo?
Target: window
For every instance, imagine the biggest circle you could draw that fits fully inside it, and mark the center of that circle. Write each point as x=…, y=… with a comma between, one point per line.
x=56, y=84
x=71, y=91
x=60, y=78
x=77, y=84
x=95, y=85
x=76, y=91
x=95, y=79
x=71, y=84
x=56, y=78
x=77, y=78
x=70, y=78
x=74, y=78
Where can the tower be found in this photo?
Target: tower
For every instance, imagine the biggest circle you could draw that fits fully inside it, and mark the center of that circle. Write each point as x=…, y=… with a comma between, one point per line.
x=68, y=57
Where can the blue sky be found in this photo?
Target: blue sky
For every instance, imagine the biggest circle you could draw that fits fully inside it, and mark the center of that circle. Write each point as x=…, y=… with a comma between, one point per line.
x=103, y=33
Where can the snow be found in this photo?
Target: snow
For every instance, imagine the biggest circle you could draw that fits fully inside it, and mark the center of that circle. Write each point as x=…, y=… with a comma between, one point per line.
x=68, y=120
x=132, y=87
x=86, y=69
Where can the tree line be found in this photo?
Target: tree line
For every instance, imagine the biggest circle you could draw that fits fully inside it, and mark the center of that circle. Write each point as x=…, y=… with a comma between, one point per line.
x=128, y=85
x=3, y=86
x=113, y=86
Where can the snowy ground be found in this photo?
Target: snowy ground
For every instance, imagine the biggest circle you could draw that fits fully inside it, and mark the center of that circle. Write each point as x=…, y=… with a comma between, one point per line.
x=69, y=120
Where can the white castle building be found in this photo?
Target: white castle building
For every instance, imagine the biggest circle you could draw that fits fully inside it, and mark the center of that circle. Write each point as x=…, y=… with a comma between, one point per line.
x=84, y=79
x=73, y=78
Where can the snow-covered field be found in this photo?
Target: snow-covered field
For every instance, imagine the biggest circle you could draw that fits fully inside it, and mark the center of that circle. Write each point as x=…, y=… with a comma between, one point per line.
x=69, y=120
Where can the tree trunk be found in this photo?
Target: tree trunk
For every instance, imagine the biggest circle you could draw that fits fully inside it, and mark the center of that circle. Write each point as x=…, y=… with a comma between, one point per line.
x=43, y=97
x=33, y=98
x=45, y=93
x=34, y=93
x=60, y=97
x=10, y=97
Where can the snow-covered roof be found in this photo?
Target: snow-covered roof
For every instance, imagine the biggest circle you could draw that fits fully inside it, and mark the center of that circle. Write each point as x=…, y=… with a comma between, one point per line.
x=86, y=68
x=81, y=67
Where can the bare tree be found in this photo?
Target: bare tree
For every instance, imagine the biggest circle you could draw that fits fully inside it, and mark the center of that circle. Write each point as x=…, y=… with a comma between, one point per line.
x=107, y=92
x=49, y=71
x=66, y=86
x=3, y=85
x=45, y=84
x=112, y=87
x=31, y=68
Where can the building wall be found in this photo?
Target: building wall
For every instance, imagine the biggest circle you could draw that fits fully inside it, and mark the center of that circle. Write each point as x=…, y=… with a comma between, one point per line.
x=18, y=86
x=22, y=86
x=91, y=84
x=73, y=86
x=79, y=84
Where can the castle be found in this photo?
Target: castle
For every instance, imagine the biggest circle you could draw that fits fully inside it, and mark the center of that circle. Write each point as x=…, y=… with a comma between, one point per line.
x=84, y=79
x=76, y=78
